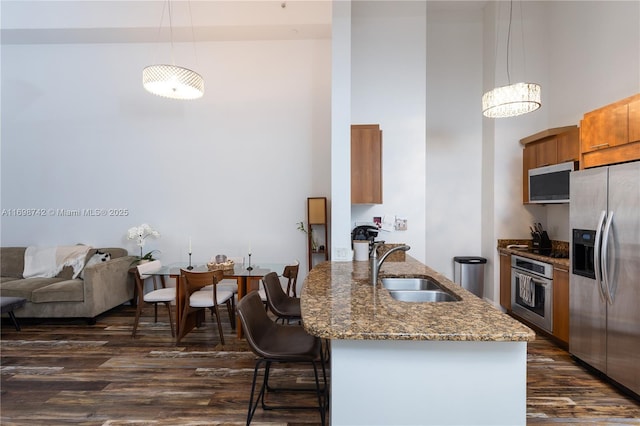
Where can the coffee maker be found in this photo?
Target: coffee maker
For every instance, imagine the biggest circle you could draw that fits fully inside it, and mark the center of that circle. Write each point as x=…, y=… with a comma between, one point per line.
x=366, y=233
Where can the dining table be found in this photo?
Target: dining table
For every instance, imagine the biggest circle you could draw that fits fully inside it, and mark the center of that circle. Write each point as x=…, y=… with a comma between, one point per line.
x=244, y=274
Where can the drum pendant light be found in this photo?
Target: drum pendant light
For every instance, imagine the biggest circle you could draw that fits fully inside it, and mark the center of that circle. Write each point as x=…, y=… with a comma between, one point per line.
x=173, y=81
x=514, y=99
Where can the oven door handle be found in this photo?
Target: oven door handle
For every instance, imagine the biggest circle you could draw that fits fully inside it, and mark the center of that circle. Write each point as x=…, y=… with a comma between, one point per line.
x=597, y=257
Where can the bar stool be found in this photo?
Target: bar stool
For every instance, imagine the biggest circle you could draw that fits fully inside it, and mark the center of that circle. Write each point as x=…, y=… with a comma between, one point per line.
x=278, y=343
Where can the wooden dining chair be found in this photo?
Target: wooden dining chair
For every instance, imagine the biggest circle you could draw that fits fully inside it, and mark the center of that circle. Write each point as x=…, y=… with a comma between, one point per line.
x=158, y=295
x=290, y=273
x=276, y=343
x=283, y=306
x=229, y=283
x=195, y=299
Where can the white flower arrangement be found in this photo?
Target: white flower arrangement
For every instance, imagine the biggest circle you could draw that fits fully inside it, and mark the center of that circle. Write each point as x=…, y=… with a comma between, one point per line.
x=140, y=233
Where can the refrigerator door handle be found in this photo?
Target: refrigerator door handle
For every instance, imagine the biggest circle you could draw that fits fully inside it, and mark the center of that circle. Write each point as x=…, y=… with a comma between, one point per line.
x=604, y=256
x=597, y=257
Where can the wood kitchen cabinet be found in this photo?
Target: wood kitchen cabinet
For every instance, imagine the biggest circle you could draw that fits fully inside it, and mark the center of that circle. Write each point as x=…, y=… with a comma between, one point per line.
x=552, y=146
x=505, y=281
x=366, y=164
x=568, y=146
x=561, y=304
x=634, y=120
x=611, y=134
x=605, y=128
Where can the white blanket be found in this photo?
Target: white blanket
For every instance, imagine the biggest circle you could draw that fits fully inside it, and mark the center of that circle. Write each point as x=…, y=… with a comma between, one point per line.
x=47, y=262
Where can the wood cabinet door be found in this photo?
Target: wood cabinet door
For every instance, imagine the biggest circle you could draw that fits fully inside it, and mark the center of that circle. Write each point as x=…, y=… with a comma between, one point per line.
x=505, y=281
x=605, y=128
x=617, y=125
x=546, y=152
x=568, y=146
x=366, y=164
x=634, y=120
x=561, y=304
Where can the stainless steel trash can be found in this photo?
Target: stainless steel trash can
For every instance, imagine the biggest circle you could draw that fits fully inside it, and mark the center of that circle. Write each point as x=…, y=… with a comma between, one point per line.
x=468, y=272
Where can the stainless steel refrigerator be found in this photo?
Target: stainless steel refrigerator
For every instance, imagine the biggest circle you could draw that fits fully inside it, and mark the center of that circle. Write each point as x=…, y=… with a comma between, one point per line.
x=605, y=270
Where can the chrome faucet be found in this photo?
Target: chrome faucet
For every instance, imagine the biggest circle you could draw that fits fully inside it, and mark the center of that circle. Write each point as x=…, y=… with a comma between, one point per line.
x=375, y=264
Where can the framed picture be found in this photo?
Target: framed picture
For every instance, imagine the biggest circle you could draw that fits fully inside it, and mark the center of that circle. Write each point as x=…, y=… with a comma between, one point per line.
x=377, y=220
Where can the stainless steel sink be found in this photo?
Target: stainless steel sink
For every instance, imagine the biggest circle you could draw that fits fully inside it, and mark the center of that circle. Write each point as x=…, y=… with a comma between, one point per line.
x=422, y=296
x=409, y=284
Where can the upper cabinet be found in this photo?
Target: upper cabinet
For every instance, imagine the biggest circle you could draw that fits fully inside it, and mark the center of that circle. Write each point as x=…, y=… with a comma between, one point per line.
x=611, y=134
x=634, y=120
x=366, y=164
x=552, y=146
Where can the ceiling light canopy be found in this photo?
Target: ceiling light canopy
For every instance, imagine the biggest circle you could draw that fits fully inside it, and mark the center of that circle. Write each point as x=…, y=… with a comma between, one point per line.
x=172, y=81
x=512, y=100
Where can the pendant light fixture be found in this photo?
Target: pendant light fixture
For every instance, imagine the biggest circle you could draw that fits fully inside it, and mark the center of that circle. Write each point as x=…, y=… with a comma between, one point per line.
x=514, y=99
x=173, y=81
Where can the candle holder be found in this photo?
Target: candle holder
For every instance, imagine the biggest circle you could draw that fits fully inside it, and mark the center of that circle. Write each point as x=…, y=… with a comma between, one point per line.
x=189, y=267
x=249, y=268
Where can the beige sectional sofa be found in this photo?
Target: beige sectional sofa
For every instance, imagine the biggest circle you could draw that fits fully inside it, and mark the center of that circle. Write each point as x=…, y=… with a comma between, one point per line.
x=105, y=286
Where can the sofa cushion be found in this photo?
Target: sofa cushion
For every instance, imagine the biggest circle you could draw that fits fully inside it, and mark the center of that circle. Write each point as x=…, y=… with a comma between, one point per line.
x=28, y=287
x=7, y=279
x=61, y=291
x=12, y=261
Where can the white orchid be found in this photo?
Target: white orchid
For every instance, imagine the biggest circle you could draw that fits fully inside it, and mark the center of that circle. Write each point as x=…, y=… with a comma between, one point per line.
x=140, y=233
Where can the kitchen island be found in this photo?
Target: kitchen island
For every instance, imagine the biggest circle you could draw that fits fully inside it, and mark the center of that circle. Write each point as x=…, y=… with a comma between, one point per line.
x=402, y=363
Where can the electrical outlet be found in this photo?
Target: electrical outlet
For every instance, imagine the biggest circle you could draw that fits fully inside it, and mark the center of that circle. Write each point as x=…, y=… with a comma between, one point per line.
x=342, y=253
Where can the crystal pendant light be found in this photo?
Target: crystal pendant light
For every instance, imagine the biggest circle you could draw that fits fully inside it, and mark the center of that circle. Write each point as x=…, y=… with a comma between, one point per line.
x=510, y=101
x=514, y=99
x=173, y=81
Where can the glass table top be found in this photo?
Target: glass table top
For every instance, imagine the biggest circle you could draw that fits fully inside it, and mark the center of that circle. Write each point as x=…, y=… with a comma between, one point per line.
x=239, y=270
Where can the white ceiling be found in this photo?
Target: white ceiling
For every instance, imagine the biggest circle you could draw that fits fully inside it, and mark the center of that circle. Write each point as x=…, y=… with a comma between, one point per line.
x=142, y=21
x=124, y=21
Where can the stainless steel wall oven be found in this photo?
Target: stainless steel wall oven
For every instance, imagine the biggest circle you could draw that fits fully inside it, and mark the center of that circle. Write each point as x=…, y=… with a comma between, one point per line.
x=532, y=291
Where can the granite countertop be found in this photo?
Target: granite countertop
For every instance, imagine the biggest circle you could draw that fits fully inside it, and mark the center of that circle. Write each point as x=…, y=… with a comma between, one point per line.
x=338, y=302
x=557, y=245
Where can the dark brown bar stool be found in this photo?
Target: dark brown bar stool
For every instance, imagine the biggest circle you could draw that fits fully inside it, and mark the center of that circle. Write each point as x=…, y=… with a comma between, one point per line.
x=284, y=307
x=273, y=342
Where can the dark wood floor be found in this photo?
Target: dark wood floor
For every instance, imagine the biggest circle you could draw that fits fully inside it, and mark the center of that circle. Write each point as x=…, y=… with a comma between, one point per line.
x=67, y=372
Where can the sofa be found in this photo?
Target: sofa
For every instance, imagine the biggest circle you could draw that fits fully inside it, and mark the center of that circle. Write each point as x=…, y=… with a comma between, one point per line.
x=102, y=286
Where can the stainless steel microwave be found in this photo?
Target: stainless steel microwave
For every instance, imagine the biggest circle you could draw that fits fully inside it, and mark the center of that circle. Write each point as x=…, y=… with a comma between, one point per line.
x=550, y=184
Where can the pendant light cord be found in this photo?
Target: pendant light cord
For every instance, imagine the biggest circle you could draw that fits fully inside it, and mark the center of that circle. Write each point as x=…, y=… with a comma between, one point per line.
x=173, y=60
x=193, y=34
x=509, y=40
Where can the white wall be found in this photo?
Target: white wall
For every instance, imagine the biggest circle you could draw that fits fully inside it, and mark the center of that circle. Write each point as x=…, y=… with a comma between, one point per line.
x=341, y=131
x=230, y=170
x=454, y=136
x=388, y=88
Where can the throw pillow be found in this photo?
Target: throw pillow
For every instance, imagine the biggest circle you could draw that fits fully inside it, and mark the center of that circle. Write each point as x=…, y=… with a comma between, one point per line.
x=99, y=257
